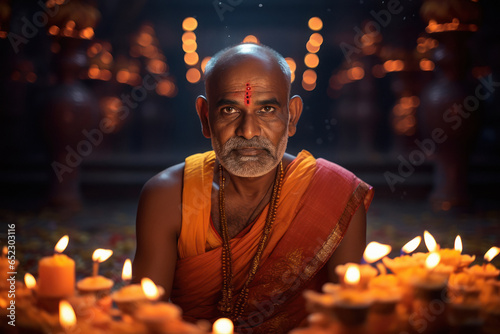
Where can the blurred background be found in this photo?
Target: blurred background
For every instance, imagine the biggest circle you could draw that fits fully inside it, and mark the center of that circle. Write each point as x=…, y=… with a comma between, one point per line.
x=98, y=96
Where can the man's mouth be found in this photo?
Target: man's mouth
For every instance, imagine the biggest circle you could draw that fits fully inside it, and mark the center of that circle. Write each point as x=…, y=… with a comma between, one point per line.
x=249, y=151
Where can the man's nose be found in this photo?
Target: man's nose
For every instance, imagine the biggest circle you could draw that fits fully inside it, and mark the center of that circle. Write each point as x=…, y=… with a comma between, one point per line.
x=248, y=126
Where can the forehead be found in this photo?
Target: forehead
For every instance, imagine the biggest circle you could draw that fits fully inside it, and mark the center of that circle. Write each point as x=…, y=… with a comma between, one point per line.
x=235, y=75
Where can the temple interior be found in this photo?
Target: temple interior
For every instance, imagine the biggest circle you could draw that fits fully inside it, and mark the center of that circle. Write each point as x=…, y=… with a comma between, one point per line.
x=99, y=96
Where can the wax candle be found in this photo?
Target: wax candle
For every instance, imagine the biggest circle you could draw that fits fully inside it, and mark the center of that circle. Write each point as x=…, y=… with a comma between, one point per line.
x=366, y=273
x=429, y=288
x=158, y=316
x=487, y=270
x=56, y=274
x=131, y=296
x=100, y=255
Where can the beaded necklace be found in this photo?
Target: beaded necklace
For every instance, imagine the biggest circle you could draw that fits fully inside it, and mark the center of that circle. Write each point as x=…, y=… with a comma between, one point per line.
x=225, y=304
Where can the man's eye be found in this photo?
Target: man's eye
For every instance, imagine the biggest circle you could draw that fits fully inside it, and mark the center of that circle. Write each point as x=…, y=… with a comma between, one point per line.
x=267, y=109
x=229, y=110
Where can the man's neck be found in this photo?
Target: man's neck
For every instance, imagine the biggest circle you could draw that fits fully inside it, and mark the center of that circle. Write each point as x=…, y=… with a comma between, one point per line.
x=252, y=187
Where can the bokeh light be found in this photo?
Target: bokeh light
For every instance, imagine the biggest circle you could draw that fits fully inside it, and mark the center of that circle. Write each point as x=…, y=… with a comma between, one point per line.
x=311, y=60
x=315, y=23
x=309, y=77
x=191, y=58
x=251, y=39
x=188, y=35
x=204, y=63
x=189, y=24
x=193, y=75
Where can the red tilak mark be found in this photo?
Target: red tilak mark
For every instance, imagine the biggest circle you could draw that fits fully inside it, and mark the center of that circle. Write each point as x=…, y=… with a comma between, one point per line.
x=248, y=94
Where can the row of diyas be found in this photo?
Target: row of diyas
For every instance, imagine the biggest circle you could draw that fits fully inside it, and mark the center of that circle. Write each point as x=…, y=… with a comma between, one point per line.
x=433, y=292
x=51, y=304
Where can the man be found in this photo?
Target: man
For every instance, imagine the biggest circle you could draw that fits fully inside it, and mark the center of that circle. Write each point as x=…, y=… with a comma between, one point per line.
x=242, y=231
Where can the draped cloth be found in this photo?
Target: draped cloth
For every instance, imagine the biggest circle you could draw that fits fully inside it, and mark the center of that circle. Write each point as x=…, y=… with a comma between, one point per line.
x=317, y=202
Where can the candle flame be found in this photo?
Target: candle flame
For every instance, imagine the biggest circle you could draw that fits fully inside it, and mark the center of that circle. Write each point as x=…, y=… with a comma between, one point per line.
x=374, y=251
x=430, y=242
x=62, y=244
x=352, y=275
x=149, y=289
x=29, y=281
x=458, y=244
x=432, y=260
x=223, y=326
x=411, y=245
x=491, y=253
x=127, y=270
x=4, y=251
x=67, y=317
x=101, y=255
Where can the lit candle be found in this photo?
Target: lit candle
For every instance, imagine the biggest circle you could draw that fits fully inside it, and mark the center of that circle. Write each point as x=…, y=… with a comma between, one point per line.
x=150, y=289
x=491, y=254
x=366, y=271
x=223, y=326
x=352, y=276
x=375, y=251
x=430, y=242
x=96, y=283
x=351, y=304
x=127, y=271
x=129, y=297
x=30, y=282
x=487, y=270
x=429, y=287
x=411, y=245
x=56, y=274
x=100, y=255
x=67, y=317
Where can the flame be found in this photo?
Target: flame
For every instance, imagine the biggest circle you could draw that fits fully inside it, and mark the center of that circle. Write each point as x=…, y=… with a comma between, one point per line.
x=127, y=270
x=223, y=326
x=491, y=253
x=29, y=281
x=149, y=289
x=374, y=251
x=67, y=317
x=411, y=245
x=101, y=255
x=4, y=251
x=432, y=260
x=458, y=244
x=430, y=242
x=62, y=244
x=352, y=275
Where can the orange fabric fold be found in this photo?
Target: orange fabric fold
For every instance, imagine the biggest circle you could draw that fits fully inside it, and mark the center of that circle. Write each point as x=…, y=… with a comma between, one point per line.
x=195, y=262
x=317, y=203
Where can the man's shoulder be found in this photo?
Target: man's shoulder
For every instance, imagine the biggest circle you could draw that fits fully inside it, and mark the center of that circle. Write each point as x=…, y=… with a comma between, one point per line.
x=170, y=179
x=334, y=172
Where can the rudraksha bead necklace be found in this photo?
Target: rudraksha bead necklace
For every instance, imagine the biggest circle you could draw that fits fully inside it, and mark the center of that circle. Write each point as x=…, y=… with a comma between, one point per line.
x=225, y=305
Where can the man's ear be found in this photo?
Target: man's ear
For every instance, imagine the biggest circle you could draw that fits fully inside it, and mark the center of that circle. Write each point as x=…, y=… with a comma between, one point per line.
x=202, y=110
x=295, y=110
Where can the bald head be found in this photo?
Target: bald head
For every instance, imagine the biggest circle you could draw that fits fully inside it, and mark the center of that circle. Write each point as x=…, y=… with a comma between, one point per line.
x=261, y=56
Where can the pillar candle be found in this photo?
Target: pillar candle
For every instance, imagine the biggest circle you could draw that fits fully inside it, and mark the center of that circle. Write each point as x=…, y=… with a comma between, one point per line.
x=56, y=276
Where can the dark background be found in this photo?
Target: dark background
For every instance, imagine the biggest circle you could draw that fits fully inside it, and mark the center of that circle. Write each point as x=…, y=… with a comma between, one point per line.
x=162, y=131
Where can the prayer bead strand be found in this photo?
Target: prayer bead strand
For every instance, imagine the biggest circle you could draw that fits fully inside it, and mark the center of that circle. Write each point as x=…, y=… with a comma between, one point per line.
x=225, y=305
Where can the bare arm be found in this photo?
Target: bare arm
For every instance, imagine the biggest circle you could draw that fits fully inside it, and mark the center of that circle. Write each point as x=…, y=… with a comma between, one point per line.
x=158, y=227
x=352, y=246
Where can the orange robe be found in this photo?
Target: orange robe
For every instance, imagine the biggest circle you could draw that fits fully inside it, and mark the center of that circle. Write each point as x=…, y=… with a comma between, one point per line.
x=317, y=202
